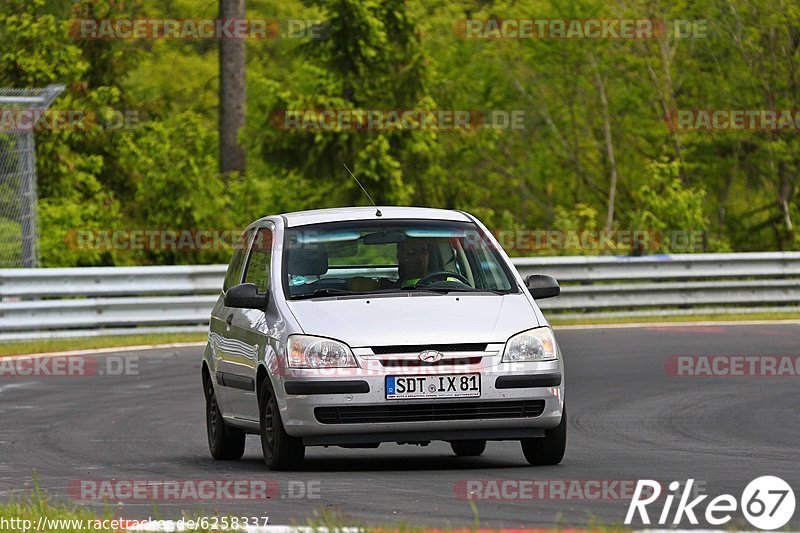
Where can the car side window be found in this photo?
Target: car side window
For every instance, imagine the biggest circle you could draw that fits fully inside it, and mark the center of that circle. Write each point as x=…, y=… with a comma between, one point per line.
x=258, y=264
x=236, y=266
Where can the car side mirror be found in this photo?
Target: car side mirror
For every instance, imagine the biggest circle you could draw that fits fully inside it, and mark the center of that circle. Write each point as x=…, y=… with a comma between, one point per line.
x=541, y=286
x=246, y=296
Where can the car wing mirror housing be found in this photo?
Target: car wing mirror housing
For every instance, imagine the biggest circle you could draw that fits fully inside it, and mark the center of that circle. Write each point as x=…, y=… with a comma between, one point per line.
x=542, y=286
x=246, y=296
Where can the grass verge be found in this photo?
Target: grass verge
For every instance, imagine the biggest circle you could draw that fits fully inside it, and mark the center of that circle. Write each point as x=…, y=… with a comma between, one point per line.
x=88, y=343
x=26, y=516
x=36, y=513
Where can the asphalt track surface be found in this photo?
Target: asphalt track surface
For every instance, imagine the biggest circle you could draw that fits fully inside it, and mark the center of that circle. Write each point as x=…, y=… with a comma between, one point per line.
x=629, y=419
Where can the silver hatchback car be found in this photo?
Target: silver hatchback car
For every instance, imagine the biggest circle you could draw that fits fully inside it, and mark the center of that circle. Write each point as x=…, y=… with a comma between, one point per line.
x=356, y=326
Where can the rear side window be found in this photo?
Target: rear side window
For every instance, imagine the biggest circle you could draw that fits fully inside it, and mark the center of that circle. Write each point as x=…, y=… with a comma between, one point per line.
x=236, y=266
x=258, y=264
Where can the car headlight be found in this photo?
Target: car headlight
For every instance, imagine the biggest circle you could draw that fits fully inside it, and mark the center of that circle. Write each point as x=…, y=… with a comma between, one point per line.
x=536, y=344
x=306, y=351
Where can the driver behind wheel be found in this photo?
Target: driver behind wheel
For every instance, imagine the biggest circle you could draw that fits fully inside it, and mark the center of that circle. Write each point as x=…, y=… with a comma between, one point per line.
x=413, y=256
x=412, y=261
x=413, y=265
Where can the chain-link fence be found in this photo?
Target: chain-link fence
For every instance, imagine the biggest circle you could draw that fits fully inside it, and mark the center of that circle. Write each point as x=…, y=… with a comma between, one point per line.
x=20, y=110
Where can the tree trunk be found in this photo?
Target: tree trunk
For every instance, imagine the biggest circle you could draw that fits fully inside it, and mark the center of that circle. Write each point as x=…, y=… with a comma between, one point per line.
x=231, y=92
x=612, y=161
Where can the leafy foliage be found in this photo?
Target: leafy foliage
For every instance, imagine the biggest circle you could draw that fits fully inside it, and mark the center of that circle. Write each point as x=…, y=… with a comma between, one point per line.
x=737, y=187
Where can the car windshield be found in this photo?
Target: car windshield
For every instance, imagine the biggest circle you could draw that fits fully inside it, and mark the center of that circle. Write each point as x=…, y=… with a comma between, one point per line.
x=368, y=257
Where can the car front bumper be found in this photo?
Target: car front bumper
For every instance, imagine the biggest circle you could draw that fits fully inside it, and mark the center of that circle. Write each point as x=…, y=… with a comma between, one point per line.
x=349, y=406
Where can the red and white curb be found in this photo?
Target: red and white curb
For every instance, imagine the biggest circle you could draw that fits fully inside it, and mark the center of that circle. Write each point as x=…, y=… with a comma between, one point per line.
x=171, y=526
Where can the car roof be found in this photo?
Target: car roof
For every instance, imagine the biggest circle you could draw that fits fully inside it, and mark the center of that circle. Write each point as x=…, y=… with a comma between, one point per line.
x=317, y=216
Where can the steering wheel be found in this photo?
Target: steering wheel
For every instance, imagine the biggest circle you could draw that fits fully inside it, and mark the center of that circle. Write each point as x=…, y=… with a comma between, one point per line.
x=443, y=274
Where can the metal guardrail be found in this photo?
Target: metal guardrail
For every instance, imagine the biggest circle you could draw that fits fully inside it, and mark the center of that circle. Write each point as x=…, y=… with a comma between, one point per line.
x=627, y=286
x=111, y=281
x=661, y=267
x=62, y=302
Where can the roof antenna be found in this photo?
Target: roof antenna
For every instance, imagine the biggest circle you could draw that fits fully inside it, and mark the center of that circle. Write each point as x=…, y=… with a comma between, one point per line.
x=377, y=211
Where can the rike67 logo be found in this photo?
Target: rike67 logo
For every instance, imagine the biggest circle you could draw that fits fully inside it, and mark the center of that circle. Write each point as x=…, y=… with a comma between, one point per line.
x=767, y=502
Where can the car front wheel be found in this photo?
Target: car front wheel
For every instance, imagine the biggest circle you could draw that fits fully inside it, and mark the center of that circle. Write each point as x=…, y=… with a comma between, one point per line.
x=281, y=451
x=550, y=449
x=224, y=442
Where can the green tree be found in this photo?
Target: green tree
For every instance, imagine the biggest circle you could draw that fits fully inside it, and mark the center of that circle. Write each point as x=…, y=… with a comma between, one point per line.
x=370, y=59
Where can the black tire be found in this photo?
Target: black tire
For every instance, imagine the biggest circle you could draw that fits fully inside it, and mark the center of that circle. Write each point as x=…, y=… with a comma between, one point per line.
x=468, y=448
x=224, y=442
x=281, y=451
x=550, y=449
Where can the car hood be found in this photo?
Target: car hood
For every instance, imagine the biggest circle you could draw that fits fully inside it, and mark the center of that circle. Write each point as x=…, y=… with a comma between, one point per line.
x=416, y=319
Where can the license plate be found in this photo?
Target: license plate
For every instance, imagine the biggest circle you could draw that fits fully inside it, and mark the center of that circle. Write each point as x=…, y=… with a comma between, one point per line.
x=449, y=386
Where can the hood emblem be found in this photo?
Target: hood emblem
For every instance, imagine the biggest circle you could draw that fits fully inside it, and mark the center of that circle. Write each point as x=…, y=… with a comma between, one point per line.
x=430, y=356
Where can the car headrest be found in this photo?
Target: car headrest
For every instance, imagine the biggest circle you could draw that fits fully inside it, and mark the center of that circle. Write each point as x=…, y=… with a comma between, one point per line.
x=308, y=262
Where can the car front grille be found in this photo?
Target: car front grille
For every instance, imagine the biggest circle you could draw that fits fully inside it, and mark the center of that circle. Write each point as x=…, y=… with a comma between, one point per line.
x=417, y=348
x=428, y=412
x=406, y=363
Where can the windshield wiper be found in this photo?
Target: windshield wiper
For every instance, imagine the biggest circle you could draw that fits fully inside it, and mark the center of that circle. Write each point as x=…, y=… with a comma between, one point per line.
x=321, y=292
x=423, y=288
x=445, y=290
